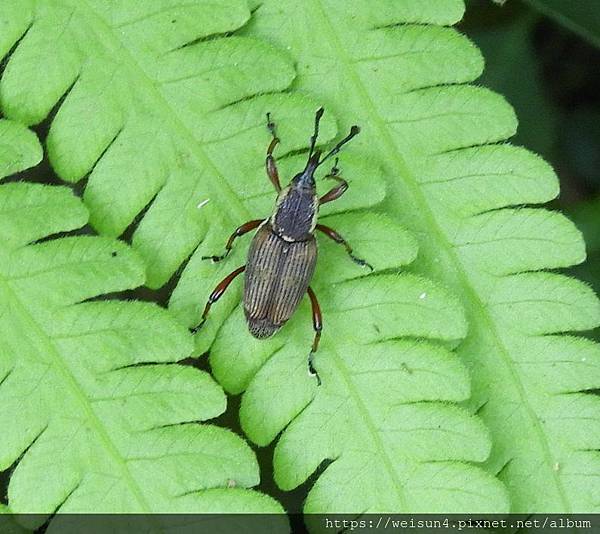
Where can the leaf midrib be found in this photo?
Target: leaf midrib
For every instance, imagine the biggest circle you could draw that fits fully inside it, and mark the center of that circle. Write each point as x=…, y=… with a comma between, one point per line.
x=80, y=395
x=477, y=312
x=371, y=428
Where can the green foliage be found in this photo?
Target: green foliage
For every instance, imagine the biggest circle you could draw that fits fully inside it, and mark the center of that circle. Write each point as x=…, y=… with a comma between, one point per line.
x=164, y=109
x=399, y=72
x=89, y=427
x=19, y=148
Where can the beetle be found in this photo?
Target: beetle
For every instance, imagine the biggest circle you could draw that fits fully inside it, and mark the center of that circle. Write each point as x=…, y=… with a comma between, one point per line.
x=283, y=253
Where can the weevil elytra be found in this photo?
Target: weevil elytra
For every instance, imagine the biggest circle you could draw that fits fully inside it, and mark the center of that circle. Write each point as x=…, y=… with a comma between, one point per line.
x=283, y=253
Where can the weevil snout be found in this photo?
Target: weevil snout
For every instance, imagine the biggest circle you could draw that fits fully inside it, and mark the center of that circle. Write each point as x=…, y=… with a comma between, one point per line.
x=313, y=162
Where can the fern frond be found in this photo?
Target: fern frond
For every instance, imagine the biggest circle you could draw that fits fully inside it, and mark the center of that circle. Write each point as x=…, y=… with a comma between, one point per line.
x=386, y=410
x=455, y=182
x=19, y=148
x=88, y=428
x=162, y=112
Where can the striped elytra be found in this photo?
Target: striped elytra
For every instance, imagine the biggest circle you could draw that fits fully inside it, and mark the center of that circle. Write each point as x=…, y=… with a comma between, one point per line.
x=277, y=276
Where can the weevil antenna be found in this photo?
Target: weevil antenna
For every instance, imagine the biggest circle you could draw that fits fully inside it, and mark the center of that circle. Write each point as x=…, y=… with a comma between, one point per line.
x=355, y=130
x=313, y=139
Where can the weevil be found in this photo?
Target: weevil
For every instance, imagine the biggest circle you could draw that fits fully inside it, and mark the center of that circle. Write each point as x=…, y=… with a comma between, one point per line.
x=283, y=253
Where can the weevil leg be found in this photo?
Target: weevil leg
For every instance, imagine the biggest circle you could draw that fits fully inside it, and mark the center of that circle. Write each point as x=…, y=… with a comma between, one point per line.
x=337, y=191
x=318, y=326
x=271, y=164
x=239, y=231
x=332, y=234
x=217, y=294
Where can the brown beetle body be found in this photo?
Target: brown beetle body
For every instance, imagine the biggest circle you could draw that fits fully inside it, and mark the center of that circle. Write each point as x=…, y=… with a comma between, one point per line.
x=278, y=273
x=283, y=253
x=282, y=256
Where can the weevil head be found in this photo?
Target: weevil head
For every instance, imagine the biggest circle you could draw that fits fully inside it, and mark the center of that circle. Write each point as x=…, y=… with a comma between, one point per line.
x=305, y=180
x=295, y=215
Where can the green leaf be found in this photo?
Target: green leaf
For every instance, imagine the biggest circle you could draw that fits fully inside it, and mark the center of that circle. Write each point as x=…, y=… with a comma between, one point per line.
x=96, y=416
x=186, y=124
x=160, y=111
x=163, y=113
x=388, y=393
x=399, y=72
x=164, y=109
x=19, y=148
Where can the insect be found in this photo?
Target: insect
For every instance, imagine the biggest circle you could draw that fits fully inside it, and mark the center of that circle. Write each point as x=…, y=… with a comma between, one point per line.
x=283, y=253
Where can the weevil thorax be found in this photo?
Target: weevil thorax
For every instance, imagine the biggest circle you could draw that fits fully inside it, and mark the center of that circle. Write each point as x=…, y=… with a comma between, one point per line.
x=296, y=211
